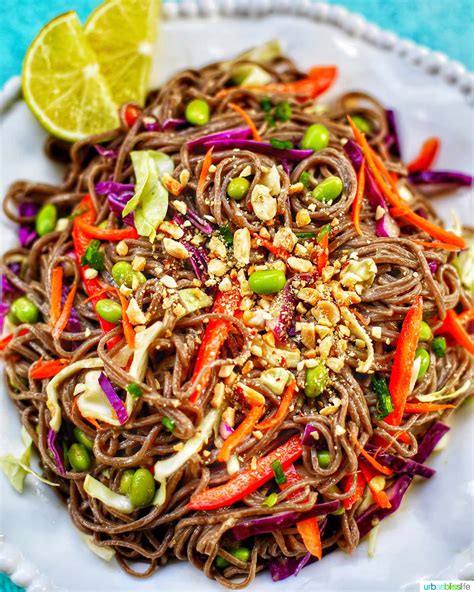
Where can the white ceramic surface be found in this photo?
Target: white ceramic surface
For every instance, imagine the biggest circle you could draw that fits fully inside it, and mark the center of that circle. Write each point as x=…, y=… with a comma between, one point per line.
x=430, y=536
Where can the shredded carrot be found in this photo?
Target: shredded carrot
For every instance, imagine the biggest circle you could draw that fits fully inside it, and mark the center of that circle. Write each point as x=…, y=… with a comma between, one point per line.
x=48, y=369
x=380, y=497
x=282, y=409
x=56, y=294
x=110, y=234
x=128, y=330
x=65, y=314
x=390, y=191
x=425, y=407
x=436, y=245
x=427, y=156
x=357, y=203
x=99, y=293
x=370, y=459
x=205, y=168
x=323, y=254
x=310, y=533
x=279, y=252
x=245, y=428
x=6, y=340
x=248, y=120
x=94, y=422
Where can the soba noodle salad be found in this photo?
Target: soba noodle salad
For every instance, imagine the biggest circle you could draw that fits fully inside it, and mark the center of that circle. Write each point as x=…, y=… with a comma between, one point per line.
x=234, y=331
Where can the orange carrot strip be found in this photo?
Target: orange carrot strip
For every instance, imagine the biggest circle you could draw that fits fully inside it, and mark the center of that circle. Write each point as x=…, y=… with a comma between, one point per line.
x=248, y=120
x=128, y=329
x=426, y=157
x=370, y=459
x=205, y=168
x=357, y=203
x=380, y=497
x=279, y=252
x=245, y=428
x=93, y=421
x=282, y=409
x=65, y=314
x=390, y=191
x=311, y=535
x=56, y=294
x=48, y=369
x=436, y=245
x=425, y=407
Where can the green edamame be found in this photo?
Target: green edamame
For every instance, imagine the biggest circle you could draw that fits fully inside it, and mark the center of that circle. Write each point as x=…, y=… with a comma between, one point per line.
x=324, y=458
x=197, y=112
x=109, y=310
x=79, y=457
x=122, y=273
x=83, y=439
x=424, y=357
x=329, y=189
x=237, y=188
x=316, y=380
x=267, y=281
x=439, y=347
x=362, y=124
x=316, y=137
x=46, y=219
x=241, y=553
x=425, y=331
x=142, y=488
x=25, y=310
x=126, y=481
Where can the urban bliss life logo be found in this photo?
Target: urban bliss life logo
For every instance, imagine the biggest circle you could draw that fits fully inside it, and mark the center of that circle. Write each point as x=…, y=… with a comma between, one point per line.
x=445, y=585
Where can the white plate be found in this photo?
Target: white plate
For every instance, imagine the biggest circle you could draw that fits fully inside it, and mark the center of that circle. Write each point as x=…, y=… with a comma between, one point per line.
x=430, y=536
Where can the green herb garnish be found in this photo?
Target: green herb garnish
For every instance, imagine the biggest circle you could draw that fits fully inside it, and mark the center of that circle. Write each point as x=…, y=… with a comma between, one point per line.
x=93, y=257
x=266, y=104
x=283, y=111
x=281, y=144
x=168, y=424
x=277, y=469
x=303, y=235
x=271, y=500
x=326, y=229
x=384, y=399
x=226, y=234
x=304, y=178
x=134, y=390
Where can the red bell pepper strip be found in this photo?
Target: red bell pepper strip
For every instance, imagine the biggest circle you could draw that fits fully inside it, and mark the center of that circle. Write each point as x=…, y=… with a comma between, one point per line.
x=402, y=368
x=131, y=114
x=48, y=369
x=110, y=234
x=466, y=315
x=81, y=241
x=359, y=489
x=245, y=428
x=426, y=407
x=389, y=189
x=249, y=480
x=279, y=252
x=323, y=254
x=308, y=528
x=453, y=325
x=380, y=497
x=282, y=410
x=6, y=340
x=215, y=335
x=426, y=157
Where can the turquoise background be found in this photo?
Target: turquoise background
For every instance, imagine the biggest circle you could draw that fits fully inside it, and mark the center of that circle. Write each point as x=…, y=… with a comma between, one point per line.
x=443, y=25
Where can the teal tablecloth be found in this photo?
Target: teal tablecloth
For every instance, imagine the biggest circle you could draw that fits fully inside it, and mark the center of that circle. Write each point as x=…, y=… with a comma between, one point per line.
x=443, y=25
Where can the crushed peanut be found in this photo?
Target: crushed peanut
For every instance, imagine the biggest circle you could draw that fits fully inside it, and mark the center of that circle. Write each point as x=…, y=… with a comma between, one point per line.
x=175, y=249
x=285, y=238
x=90, y=273
x=303, y=218
x=171, y=229
x=168, y=281
x=122, y=248
x=138, y=263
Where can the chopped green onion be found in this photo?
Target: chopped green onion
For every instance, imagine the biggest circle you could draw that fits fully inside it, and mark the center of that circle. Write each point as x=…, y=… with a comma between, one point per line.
x=226, y=235
x=283, y=111
x=266, y=104
x=134, y=390
x=303, y=235
x=281, y=144
x=439, y=347
x=326, y=229
x=271, y=500
x=168, y=424
x=304, y=178
x=277, y=469
x=93, y=257
x=270, y=119
x=384, y=399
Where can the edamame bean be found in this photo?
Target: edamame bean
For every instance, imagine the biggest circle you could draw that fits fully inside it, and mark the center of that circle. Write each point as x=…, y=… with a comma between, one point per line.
x=241, y=553
x=267, y=281
x=335, y=489
x=316, y=137
x=439, y=347
x=237, y=188
x=425, y=331
x=424, y=357
x=79, y=457
x=25, y=310
x=329, y=189
x=142, y=488
x=126, y=481
x=83, y=439
x=362, y=124
x=316, y=380
x=46, y=219
x=197, y=112
x=109, y=310
x=122, y=273
x=324, y=458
